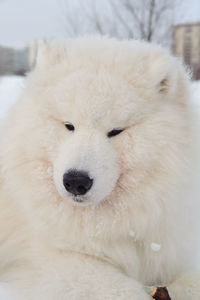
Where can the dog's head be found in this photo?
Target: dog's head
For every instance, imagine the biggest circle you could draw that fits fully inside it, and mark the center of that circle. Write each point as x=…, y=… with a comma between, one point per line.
x=100, y=122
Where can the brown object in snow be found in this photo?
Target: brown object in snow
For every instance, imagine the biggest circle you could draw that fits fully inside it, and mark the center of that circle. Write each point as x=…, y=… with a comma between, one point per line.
x=160, y=293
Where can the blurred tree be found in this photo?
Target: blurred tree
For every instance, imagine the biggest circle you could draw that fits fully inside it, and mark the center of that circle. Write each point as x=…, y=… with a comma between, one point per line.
x=149, y=20
x=145, y=19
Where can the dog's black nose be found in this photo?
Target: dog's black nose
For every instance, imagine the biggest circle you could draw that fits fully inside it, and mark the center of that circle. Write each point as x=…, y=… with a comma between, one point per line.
x=77, y=182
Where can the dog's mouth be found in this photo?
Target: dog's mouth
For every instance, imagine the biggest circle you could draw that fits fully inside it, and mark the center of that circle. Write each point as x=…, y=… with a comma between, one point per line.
x=78, y=200
x=82, y=201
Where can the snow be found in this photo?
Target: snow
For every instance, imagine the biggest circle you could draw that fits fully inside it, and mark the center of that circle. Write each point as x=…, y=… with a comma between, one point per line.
x=10, y=89
x=132, y=233
x=195, y=89
x=155, y=247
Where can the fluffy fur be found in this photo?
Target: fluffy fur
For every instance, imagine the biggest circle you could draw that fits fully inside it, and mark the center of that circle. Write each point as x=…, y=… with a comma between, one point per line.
x=53, y=247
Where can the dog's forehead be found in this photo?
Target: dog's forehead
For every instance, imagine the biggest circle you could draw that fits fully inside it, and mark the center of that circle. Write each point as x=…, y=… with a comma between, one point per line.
x=95, y=96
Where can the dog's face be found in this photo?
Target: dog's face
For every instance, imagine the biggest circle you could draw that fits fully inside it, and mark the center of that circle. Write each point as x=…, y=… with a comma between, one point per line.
x=94, y=117
x=99, y=128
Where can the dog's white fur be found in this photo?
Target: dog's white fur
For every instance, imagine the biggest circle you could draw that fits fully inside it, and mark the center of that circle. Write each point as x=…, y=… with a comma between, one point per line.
x=52, y=247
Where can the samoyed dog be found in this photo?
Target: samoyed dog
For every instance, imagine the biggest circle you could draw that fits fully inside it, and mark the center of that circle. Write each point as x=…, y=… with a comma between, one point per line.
x=97, y=176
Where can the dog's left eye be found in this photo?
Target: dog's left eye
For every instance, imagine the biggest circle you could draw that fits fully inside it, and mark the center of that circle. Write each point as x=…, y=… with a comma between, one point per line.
x=69, y=126
x=114, y=132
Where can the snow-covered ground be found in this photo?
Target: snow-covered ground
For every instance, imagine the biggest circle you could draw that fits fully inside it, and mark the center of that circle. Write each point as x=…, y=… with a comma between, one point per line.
x=195, y=88
x=10, y=88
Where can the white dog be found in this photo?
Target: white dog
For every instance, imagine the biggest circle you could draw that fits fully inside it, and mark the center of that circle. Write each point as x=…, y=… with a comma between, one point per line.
x=97, y=176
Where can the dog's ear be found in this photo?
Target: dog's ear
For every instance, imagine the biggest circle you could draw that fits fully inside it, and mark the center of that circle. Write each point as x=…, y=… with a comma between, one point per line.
x=49, y=53
x=168, y=76
x=162, y=73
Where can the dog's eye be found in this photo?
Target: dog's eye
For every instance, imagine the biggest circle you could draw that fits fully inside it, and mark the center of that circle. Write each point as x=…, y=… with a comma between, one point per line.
x=114, y=132
x=69, y=126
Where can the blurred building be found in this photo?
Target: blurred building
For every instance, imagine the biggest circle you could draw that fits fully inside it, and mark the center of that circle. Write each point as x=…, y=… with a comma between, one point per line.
x=13, y=61
x=186, y=44
x=6, y=61
x=18, y=61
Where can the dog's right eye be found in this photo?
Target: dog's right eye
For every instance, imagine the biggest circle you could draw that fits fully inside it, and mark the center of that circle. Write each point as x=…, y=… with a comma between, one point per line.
x=114, y=132
x=69, y=126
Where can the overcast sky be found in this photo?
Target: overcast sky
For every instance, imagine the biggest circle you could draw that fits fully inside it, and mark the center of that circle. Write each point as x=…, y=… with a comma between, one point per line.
x=22, y=21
